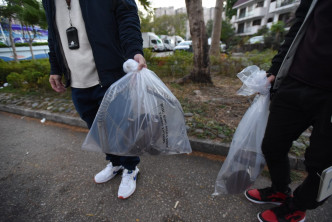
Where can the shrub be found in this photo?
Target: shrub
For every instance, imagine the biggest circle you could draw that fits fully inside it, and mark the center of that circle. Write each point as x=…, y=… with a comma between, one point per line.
x=15, y=80
x=43, y=83
x=40, y=65
x=260, y=59
x=23, y=44
x=226, y=65
x=149, y=56
x=31, y=77
x=177, y=65
x=232, y=66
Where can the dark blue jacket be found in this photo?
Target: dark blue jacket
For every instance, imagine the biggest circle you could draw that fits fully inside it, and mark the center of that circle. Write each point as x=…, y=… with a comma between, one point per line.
x=113, y=30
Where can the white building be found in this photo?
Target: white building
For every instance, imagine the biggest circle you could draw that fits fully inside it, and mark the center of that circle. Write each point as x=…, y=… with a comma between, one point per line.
x=208, y=12
x=182, y=10
x=251, y=15
x=164, y=11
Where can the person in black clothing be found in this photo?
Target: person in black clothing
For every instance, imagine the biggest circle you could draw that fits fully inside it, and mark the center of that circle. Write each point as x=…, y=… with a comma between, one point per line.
x=301, y=97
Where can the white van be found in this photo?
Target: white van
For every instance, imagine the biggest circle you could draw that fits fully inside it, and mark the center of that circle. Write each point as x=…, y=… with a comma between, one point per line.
x=152, y=41
x=177, y=39
x=168, y=42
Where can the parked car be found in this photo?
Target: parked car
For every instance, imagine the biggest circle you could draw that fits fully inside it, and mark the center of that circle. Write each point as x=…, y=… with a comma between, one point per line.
x=222, y=45
x=171, y=41
x=184, y=46
x=256, y=40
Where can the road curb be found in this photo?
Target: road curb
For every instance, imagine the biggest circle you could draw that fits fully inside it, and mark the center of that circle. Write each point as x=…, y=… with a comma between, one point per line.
x=39, y=114
x=205, y=146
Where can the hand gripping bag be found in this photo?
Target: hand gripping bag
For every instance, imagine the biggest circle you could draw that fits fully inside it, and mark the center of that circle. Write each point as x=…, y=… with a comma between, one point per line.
x=245, y=160
x=138, y=115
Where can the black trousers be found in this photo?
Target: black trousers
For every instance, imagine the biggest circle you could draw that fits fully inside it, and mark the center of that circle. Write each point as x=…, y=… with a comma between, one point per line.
x=87, y=102
x=294, y=108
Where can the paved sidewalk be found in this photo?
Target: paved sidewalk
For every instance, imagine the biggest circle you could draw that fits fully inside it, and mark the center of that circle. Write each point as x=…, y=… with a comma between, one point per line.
x=45, y=176
x=206, y=146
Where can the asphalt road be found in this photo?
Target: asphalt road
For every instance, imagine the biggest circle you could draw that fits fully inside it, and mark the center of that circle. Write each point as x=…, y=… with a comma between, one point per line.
x=45, y=176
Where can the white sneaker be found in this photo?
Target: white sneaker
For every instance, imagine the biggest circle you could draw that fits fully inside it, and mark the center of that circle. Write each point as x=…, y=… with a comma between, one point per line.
x=108, y=173
x=128, y=183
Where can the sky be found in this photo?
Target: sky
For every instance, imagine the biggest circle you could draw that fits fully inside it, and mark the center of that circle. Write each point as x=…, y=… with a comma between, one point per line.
x=179, y=3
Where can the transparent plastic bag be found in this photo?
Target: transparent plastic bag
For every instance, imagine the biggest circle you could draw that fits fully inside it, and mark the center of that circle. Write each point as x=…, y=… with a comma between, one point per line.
x=245, y=160
x=138, y=115
x=254, y=81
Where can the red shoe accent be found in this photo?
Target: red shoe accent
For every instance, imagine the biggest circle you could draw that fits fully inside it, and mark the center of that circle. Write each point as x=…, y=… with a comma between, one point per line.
x=282, y=213
x=267, y=195
x=267, y=216
x=255, y=193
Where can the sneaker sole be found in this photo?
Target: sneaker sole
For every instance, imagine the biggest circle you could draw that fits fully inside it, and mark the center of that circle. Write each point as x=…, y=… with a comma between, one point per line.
x=107, y=179
x=102, y=181
x=123, y=198
x=263, y=221
x=259, y=217
x=260, y=202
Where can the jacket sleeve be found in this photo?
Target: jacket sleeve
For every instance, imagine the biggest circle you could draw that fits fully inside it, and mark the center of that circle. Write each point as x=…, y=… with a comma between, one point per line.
x=129, y=28
x=300, y=15
x=55, y=68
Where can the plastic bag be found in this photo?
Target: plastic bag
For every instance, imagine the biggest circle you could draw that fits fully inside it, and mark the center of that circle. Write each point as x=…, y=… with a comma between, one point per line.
x=138, y=115
x=245, y=160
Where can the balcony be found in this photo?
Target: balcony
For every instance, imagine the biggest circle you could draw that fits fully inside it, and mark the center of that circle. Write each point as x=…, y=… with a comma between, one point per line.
x=282, y=6
x=282, y=3
x=256, y=13
x=249, y=30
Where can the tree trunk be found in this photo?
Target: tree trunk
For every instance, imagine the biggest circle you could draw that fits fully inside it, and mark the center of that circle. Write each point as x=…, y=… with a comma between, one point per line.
x=30, y=44
x=216, y=31
x=31, y=50
x=201, y=68
x=12, y=43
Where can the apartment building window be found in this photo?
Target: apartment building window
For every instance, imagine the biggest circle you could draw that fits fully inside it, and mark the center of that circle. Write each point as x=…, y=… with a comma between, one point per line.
x=281, y=3
x=250, y=8
x=242, y=13
x=287, y=2
x=256, y=22
x=259, y=4
x=270, y=20
x=240, y=28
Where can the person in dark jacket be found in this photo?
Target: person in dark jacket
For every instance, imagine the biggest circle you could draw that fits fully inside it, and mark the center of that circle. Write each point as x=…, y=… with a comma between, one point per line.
x=89, y=41
x=301, y=98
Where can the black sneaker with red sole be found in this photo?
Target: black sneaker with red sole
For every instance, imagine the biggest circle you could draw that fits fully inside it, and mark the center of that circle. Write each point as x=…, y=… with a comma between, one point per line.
x=287, y=212
x=267, y=195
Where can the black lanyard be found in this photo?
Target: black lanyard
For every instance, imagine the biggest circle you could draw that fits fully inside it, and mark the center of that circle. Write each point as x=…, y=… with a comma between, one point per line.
x=72, y=36
x=68, y=3
x=69, y=8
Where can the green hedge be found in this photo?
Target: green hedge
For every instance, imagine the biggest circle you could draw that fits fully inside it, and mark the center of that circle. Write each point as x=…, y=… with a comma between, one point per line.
x=40, y=65
x=177, y=65
x=23, y=44
x=32, y=75
x=260, y=58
